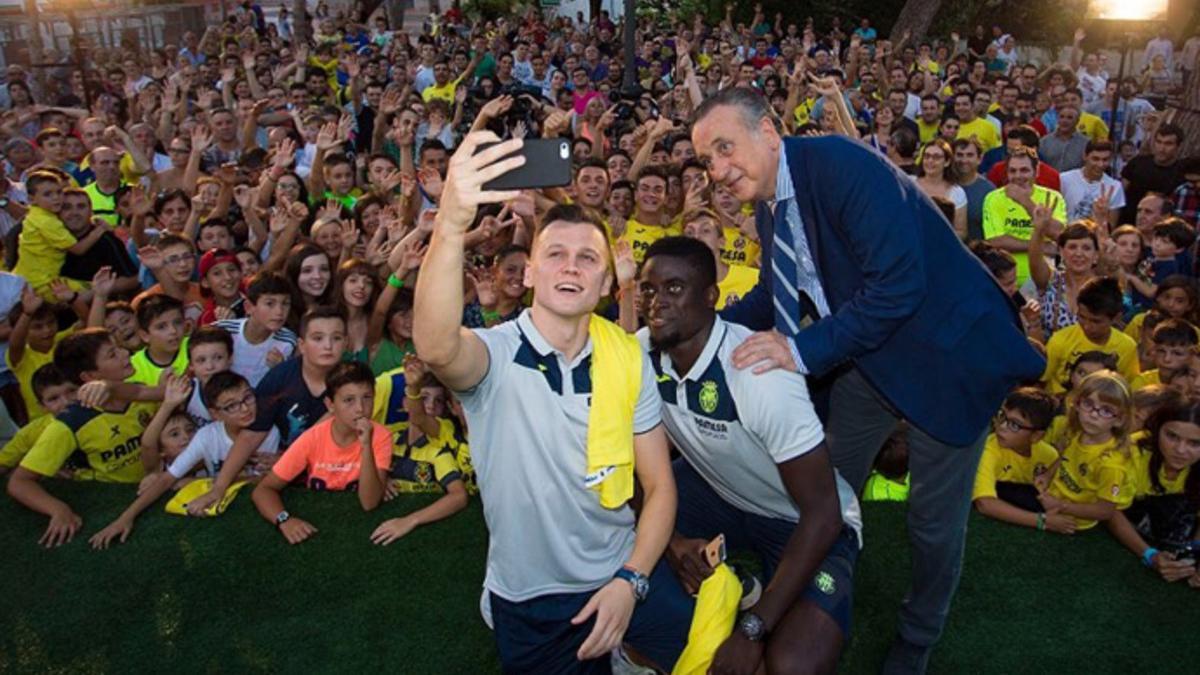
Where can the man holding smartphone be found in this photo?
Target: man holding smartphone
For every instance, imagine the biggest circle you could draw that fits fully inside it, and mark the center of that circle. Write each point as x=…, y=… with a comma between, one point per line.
x=569, y=577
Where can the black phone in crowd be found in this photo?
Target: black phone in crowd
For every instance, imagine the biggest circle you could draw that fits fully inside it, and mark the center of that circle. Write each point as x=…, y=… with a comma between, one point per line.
x=547, y=164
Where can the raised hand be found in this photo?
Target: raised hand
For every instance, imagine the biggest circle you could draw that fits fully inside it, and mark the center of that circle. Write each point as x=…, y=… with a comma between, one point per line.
x=30, y=301
x=431, y=182
x=1044, y=213
x=202, y=138
x=414, y=371
x=496, y=107
x=327, y=137
x=406, y=257
x=463, y=191
x=485, y=286
x=349, y=235
x=624, y=265
x=103, y=282
x=61, y=290
x=177, y=391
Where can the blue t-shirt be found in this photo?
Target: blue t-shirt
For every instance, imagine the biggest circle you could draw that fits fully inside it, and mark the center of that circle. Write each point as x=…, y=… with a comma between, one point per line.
x=285, y=402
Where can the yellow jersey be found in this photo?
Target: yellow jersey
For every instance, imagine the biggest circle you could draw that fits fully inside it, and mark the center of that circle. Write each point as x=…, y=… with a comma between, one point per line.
x=983, y=131
x=389, y=407
x=1091, y=473
x=444, y=92
x=1134, y=328
x=999, y=464
x=1068, y=343
x=429, y=464
x=640, y=236
x=147, y=372
x=31, y=360
x=42, y=248
x=100, y=445
x=1147, y=379
x=15, y=450
x=736, y=284
x=927, y=132
x=1139, y=484
x=1004, y=217
x=739, y=249
x=1092, y=126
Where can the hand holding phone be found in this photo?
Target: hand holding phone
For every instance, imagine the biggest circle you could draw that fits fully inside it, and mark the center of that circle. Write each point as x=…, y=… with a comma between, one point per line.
x=547, y=164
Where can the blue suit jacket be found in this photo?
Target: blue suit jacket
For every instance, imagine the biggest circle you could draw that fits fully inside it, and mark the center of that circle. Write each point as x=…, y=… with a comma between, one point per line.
x=911, y=308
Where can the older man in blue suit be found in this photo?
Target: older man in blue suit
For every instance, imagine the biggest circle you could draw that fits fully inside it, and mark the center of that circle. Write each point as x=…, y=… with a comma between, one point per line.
x=905, y=324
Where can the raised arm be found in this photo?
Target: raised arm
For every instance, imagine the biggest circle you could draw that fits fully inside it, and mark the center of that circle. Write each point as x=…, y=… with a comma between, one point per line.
x=456, y=355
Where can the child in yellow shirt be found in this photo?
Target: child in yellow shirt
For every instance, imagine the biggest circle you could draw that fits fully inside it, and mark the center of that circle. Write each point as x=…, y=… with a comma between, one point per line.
x=1160, y=508
x=1089, y=479
x=1014, y=456
x=44, y=242
x=54, y=392
x=1100, y=304
x=31, y=346
x=1174, y=342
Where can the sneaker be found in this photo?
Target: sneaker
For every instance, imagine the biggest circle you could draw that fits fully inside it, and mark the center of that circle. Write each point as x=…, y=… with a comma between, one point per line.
x=751, y=590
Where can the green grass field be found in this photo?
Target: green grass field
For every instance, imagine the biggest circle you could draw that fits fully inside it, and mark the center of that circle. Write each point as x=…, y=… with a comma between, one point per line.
x=229, y=595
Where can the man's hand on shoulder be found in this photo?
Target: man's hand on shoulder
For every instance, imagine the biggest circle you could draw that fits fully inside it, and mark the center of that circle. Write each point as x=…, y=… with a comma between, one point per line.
x=767, y=350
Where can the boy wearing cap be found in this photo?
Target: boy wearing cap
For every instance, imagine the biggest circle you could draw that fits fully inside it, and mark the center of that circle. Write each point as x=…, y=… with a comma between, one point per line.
x=221, y=286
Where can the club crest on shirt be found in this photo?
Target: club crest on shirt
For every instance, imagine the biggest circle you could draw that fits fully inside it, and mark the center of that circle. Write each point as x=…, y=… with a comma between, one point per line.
x=709, y=397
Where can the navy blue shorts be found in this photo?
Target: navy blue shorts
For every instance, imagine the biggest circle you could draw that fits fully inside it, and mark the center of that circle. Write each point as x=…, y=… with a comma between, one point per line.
x=536, y=636
x=703, y=514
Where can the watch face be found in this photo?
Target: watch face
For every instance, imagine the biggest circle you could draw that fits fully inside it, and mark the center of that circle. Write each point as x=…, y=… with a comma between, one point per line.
x=641, y=587
x=752, y=627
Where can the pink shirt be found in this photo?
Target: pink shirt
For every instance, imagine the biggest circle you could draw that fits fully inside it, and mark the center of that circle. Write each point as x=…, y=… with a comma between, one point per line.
x=329, y=466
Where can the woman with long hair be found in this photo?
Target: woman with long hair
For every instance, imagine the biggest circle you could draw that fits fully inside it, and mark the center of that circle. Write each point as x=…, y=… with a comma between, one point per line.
x=937, y=177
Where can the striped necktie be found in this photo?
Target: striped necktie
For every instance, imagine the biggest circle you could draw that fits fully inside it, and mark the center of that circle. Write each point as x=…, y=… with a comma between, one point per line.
x=784, y=266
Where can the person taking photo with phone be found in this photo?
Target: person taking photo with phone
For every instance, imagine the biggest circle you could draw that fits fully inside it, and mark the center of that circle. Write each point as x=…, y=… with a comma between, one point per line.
x=565, y=416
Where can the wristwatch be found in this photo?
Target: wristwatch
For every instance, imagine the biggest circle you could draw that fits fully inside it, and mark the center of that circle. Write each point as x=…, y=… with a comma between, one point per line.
x=282, y=518
x=640, y=582
x=752, y=627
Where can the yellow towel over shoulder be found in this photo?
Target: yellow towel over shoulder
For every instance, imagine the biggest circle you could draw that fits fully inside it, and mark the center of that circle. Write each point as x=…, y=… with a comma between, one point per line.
x=616, y=383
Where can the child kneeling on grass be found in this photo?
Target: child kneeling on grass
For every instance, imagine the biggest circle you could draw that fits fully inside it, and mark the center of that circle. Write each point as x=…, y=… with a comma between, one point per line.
x=426, y=463
x=346, y=451
x=54, y=392
x=1013, y=457
x=1157, y=522
x=233, y=407
x=107, y=438
x=1089, y=478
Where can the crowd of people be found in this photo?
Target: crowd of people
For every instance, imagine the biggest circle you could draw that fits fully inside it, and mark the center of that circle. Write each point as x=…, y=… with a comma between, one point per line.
x=257, y=260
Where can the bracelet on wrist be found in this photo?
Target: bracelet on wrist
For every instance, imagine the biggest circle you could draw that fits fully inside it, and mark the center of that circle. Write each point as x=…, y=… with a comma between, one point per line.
x=1148, y=556
x=394, y=281
x=411, y=396
x=1041, y=522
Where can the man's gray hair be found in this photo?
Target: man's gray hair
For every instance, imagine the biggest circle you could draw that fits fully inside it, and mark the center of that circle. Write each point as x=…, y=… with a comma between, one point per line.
x=751, y=105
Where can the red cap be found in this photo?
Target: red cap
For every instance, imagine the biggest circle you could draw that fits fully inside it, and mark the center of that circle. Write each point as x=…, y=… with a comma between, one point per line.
x=214, y=257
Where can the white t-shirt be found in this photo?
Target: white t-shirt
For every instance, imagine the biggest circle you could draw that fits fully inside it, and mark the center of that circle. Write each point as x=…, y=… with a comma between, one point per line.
x=1092, y=86
x=1079, y=193
x=250, y=360
x=211, y=445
